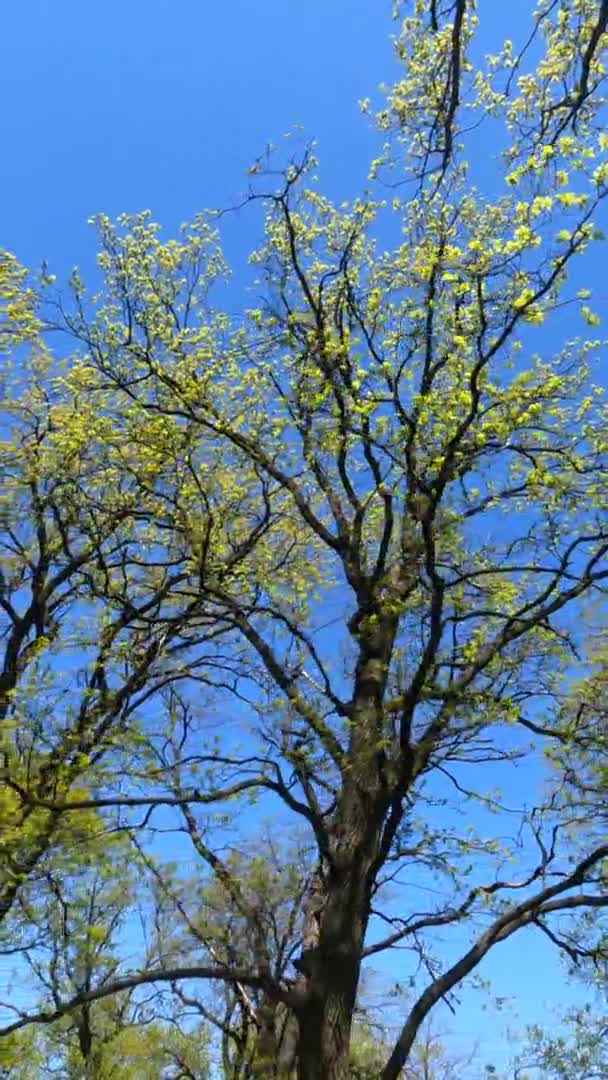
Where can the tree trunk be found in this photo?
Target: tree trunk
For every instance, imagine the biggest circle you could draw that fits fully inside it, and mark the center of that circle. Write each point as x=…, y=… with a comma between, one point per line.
x=325, y=1024
x=337, y=920
x=330, y=966
x=265, y=1062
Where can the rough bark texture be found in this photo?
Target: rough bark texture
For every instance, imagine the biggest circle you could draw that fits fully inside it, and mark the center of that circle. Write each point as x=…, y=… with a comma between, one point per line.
x=340, y=900
x=332, y=971
x=325, y=1027
x=331, y=958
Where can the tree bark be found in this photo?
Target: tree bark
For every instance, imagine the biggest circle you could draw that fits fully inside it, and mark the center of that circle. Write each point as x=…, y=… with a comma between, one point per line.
x=337, y=920
x=325, y=1023
x=265, y=1064
x=331, y=959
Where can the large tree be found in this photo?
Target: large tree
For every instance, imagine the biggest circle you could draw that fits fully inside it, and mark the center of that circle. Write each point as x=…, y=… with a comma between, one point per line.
x=342, y=546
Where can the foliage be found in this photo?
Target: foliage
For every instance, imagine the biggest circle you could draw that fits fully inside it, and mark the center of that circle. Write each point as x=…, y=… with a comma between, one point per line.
x=579, y=1052
x=324, y=565
x=84, y=914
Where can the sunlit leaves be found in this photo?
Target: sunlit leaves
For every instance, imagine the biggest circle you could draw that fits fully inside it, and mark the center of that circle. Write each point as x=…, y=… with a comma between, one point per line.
x=354, y=521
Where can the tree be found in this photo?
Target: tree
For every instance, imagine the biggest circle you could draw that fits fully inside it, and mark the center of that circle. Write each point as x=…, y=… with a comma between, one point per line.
x=430, y=1059
x=73, y=669
x=83, y=912
x=360, y=522
x=577, y=1045
x=579, y=1052
x=139, y=1051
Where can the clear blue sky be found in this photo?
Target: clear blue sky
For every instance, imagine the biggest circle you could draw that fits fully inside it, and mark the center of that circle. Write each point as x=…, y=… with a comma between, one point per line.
x=119, y=106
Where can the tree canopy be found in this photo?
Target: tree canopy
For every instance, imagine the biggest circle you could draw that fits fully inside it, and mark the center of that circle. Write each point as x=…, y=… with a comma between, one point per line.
x=287, y=597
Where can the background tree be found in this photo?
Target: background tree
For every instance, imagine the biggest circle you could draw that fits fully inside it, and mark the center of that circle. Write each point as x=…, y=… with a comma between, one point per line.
x=578, y=1052
x=86, y=911
x=360, y=524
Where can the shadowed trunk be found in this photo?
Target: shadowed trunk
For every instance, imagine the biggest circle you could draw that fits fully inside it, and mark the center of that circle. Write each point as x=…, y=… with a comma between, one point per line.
x=325, y=1025
x=339, y=912
x=331, y=958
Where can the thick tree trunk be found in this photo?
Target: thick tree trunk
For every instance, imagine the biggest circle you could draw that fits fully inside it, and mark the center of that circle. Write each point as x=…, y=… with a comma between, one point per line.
x=325, y=1024
x=330, y=964
x=338, y=918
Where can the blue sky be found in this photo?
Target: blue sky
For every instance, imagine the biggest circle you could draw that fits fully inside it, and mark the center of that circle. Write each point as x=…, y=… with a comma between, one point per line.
x=116, y=107
x=141, y=104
